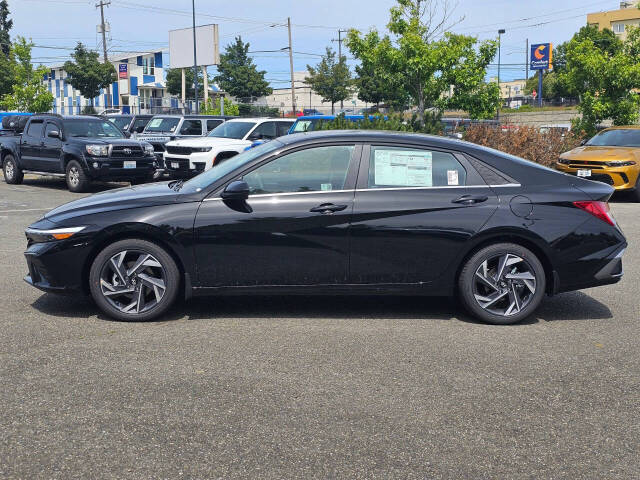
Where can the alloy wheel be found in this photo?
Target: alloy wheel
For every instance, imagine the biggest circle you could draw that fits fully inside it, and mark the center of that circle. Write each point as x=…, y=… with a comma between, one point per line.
x=74, y=176
x=133, y=281
x=504, y=284
x=9, y=171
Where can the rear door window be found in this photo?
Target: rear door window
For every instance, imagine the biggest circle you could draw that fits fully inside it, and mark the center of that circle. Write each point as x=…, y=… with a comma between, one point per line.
x=397, y=167
x=191, y=127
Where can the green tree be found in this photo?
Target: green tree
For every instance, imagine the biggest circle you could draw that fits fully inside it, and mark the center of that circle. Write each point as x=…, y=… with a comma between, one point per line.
x=437, y=69
x=7, y=61
x=29, y=93
x=213, y=107
x=604, y=76
x=5, y=25
x=331, y=78
x=87, y=74
x=174, y=82
x=238, y=75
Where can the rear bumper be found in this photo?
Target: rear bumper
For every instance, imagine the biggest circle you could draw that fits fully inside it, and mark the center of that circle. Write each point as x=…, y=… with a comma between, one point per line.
x=609, y=272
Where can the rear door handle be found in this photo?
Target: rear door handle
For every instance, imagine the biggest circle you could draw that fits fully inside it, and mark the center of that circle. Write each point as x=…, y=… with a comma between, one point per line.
x=470, y=199
x=328, y=208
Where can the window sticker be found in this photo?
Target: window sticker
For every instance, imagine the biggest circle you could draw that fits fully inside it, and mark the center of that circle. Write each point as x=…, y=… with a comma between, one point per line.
x=403, y=169
x=452, y=177
x=325, y=187
x=155, y=122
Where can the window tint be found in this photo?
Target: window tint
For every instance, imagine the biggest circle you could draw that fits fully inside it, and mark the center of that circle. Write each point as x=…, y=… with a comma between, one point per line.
x=236, y=130
x=266, y=129
x=282, y=128
x=35, y=129
x=406, y=167
x=50, y=128
x=211, y=124
x=617, y=138
x=191, y=127
x=311, y=170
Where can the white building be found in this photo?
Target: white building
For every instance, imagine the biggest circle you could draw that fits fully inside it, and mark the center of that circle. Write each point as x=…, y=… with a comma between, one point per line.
x=140, y=87
x=307, y=99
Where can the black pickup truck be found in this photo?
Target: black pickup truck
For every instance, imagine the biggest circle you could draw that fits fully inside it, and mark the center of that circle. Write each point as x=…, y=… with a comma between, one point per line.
x=78, y=148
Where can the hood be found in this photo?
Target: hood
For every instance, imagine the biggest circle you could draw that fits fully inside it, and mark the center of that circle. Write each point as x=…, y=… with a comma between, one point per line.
x=208, y=142
x=124, y=142
x=596, y=153
x=150, y=194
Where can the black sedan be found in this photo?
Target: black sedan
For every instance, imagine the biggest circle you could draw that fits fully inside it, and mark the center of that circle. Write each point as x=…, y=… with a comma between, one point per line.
x=337, y=213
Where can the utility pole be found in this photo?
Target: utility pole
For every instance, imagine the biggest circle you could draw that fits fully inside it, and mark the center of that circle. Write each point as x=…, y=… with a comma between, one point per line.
x=195, y=60
x=293, y=87
x=101, y=5
x=339, y=40
x=526, y=61
x=500, y=32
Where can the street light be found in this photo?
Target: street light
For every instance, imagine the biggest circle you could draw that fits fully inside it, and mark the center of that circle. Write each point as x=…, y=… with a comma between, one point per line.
x=500, y=32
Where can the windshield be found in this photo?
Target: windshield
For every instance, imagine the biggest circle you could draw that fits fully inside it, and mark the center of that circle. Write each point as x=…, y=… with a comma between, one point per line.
x=616, y=138
x=162, y=124
x=235, y=130
x=121, y=122
x=219, y=171
x=304, y=126
x=91, y=129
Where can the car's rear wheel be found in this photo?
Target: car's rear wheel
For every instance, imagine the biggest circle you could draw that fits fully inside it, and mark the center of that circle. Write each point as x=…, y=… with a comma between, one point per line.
x=134, y=280
x=77, y=179
x=12, y=173
x=502, y=283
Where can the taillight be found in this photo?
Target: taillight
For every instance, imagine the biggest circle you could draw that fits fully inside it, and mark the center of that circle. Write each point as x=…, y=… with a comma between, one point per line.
x=597, y=209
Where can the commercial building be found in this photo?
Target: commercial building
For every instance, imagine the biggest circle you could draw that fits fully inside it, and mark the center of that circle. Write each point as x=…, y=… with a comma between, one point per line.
x=140, y=87
x=617, y=20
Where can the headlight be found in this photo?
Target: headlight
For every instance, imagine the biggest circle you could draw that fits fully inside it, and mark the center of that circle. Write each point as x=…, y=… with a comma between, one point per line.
x=39, y=236
x=98, y=150
x=148, y=149
x=620, y=163
x=564, y=161
x=201, y=149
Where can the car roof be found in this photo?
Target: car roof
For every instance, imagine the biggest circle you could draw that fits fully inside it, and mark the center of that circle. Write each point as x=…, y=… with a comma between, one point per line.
x=329, y=117
x=261, y=119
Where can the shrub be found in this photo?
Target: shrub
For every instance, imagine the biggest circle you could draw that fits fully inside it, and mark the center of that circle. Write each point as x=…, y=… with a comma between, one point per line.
x=212, y=107
x=525, y=142
x=248, y=110
x=393, y=122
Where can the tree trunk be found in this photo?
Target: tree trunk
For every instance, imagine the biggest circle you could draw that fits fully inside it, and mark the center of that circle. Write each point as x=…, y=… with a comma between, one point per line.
x=421, y=108
x=333, y=110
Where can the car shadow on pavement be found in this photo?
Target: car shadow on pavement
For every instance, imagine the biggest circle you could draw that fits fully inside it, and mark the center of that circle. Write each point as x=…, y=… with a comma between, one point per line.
x=568, y=306
x=54, y=183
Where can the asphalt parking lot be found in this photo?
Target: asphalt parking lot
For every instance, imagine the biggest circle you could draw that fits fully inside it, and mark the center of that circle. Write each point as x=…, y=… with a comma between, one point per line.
x=314, y=387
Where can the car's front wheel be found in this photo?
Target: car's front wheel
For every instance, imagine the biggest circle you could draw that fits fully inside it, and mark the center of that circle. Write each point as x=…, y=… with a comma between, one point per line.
x=12, y=174
x=134, y=280
x=77, y=179
x=502, y=283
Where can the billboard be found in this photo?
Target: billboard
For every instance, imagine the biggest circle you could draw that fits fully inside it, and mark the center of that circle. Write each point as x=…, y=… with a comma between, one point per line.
x=207, y=46
x=541, y=56
x=123, y=70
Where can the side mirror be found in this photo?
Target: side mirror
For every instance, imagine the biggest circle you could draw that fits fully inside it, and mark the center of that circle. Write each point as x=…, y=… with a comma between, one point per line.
x=583, y=141
x=255, y=136
x=140, y=129
x=127, y=134
x=53, y=134
x=237, y=190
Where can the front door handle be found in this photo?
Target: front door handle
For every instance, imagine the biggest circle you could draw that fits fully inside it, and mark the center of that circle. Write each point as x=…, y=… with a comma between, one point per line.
x=328, y=208
x=470, y=199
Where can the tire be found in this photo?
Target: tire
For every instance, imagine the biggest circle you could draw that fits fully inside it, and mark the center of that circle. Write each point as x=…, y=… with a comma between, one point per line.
x=507, y=298
x=12, y=173
x=148, y=289
x=77, y=180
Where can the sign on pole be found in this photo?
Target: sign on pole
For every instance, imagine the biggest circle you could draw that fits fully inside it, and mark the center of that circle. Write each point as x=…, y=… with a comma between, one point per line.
x=123, y=70
x=207, y=47
x=541, y=56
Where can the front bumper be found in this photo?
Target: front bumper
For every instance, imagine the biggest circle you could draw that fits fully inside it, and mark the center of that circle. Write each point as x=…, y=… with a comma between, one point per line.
x=620, y=178
x=57, y=267
x=113, y=168
x=188, y=165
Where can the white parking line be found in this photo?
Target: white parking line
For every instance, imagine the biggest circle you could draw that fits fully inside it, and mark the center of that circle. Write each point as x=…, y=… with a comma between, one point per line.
x=27, y=210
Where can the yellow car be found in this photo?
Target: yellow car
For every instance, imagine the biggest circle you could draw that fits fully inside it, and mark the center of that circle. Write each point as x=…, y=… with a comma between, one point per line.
x=612, y=157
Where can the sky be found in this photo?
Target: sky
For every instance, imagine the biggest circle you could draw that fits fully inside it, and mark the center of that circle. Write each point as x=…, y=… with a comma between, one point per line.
x=143, y=25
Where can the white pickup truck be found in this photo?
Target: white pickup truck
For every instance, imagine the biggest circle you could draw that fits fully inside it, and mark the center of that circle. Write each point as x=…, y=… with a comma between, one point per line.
x=189, y=157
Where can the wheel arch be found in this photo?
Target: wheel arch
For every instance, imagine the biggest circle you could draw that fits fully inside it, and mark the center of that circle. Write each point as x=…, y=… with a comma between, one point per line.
x=225, y=155
x=135, y=231
x=523, y=239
